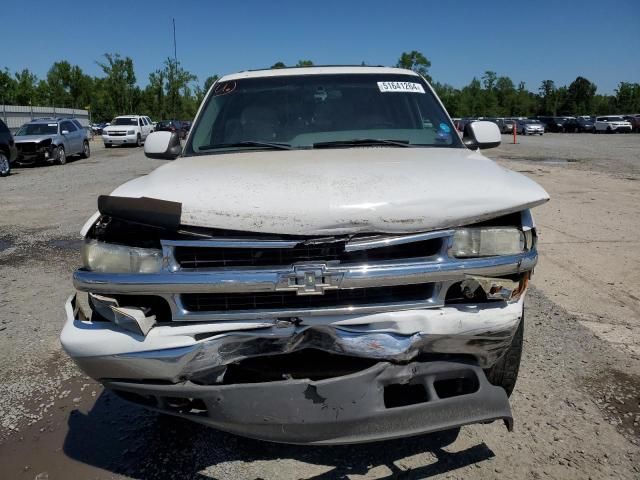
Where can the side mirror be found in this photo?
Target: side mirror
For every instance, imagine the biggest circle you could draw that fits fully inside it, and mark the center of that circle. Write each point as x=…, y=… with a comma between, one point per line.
x=481, y=134
x=163, y=145
x=65, y=132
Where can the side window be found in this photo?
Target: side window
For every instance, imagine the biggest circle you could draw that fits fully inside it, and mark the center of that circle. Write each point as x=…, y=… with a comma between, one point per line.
x=3, y=127
x=68, y=126
x=77, y=124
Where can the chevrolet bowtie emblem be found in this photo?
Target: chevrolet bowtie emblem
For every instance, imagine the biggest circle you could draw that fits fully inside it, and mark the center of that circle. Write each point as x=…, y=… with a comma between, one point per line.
x=309, y=280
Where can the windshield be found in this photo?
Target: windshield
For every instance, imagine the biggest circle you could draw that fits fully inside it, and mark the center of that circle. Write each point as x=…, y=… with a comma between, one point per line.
x=613, y=119
x=331, y=111
x=124, y=121
x=38, y=129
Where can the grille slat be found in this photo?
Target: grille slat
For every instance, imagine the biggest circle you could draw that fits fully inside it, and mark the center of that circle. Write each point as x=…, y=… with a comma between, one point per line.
x=201, y=302
x=222, y=257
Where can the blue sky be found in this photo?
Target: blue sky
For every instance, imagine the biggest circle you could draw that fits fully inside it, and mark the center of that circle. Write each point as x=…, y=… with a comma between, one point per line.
x=529, y=41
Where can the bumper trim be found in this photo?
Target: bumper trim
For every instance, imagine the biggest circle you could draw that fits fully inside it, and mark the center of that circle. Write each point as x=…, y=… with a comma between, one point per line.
x=267, y=280
x=342, y=410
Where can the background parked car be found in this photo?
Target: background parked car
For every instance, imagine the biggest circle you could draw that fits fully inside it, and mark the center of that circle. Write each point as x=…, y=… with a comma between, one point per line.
x=8, y=151
x=634, y=120
x=51, y=140
x=612, y=124
x=172, y=126
x=585, y=124
x=505, y=126
x=529, y=126
x=127, y=130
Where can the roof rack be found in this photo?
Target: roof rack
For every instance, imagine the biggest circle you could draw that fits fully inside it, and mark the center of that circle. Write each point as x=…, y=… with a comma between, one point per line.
x=287, y=67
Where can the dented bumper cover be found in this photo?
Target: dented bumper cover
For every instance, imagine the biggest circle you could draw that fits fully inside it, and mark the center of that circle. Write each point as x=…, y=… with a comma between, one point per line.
x=344, y=409
x=347, y=409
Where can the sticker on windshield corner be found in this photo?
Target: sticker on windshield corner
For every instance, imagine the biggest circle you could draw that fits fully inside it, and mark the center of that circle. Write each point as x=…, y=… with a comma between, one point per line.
x=224, y=88
x=444, y=128
x=400, y=87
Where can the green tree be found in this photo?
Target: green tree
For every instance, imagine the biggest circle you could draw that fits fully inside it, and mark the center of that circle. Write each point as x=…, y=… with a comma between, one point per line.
x=26, y=88
x=505, y=95
x=7, y=87
x=627, y=98
x=301, y=63
x=119, y=83
x=579, y=97
x=181, y=103
x=415, y=61
x=280, y=65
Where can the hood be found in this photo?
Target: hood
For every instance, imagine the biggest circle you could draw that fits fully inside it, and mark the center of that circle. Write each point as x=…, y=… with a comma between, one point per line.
x=33, y=138
x=338, y=191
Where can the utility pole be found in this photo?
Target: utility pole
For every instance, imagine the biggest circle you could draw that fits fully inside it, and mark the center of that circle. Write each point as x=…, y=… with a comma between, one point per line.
x=175, y=69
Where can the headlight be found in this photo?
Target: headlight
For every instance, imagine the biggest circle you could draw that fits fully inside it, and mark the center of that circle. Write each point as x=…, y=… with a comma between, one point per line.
x=487, y=242
x=110, y=258
x=131, y=132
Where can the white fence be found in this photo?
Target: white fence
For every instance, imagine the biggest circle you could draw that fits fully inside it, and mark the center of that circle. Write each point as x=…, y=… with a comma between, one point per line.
x=17, y=115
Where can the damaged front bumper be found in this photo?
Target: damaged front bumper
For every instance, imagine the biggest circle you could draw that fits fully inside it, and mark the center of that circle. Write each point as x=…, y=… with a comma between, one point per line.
x=356, y=408
x=178, y=369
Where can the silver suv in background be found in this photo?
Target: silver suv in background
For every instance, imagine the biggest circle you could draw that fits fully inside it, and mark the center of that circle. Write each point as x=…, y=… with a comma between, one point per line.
x=51, y=140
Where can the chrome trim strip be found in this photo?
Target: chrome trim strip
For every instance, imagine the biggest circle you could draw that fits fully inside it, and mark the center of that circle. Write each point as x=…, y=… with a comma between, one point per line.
x=387, y=241
x=353, y=276
x=182, y=315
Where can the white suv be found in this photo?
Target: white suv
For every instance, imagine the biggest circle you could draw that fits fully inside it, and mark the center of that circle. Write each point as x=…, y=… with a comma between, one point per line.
x=127, y=130
x=611, y=124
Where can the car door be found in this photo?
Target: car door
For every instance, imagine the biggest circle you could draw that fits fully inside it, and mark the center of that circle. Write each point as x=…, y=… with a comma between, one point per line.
x=73, y=144
x=143, y=128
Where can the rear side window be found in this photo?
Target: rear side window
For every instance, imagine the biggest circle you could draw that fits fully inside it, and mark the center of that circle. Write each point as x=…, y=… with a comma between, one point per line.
x=69, y=126
x=3, y=127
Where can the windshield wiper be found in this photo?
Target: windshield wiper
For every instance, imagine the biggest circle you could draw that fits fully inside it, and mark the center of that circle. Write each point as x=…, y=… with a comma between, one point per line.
x=247, y=143
x=362, y=142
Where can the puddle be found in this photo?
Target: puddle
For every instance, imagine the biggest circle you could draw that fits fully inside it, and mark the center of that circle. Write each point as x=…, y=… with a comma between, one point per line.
x=5, y=244
x=66, y=243
x=617, y=394
x=554, y=161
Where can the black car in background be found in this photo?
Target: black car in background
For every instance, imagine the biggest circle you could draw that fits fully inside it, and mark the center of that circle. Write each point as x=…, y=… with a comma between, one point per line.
x=585, y=124
x=559, y=124
x=8, y=151
x=635, y=122
x=172, y=126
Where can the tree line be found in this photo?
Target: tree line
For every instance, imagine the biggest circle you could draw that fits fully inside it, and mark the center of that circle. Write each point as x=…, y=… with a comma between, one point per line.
x=173, y=92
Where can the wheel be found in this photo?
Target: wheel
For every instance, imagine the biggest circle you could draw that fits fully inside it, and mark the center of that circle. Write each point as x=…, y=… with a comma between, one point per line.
x=5, y=166
x=86, y=150
x=504, y=372
x=609, y=130
x=138, y=141
x=61, y=157
x=107, y=145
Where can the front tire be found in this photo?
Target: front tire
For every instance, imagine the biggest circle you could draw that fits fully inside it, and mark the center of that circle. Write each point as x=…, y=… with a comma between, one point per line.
x=138, y=141
x=86, y=150
x=5, y=166
x=504, y=372
x=61, y=157
x=107, y=145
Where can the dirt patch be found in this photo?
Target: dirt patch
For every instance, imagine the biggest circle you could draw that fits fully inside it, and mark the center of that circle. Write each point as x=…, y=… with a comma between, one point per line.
x=30, y=250
x=617, y=394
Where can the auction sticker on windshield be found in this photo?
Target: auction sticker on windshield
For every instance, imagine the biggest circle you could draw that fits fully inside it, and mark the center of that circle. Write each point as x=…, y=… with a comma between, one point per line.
x=400, y=87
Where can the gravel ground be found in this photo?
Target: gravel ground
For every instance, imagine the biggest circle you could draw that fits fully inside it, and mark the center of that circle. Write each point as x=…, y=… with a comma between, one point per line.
x=576, y=404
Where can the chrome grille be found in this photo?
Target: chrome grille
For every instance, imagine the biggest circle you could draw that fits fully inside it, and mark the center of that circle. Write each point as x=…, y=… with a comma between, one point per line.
x=356, y=297
x=215, y=257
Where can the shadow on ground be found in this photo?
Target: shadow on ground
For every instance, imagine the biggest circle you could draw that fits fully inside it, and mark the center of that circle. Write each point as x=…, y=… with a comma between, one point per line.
x=127, y=440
